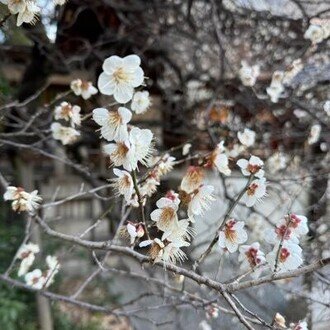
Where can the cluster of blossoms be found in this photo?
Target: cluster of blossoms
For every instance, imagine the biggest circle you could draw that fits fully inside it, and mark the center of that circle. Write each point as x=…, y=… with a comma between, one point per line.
x=286, y=254
x=27, y=10
x=36, y=278
x=22, y=200
x=233, y=233
x=71, y=113
x=175, y=233
x=129, y=145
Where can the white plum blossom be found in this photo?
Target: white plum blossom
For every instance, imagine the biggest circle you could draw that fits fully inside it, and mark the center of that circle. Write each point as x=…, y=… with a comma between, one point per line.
x=83, y=88
x=53, y=268
x=232, y=235
x=22, y=200
x=68, y=112
x=279, y=321
x=113, y=123
x=200, y=201
x=219, y=159
x=134, y=230
x=255, y=191
x=248, y=74
x=289, y=256
x=326, y=107
x=29, y=15
x=221, y=162
x=247, y=137
x=141, y=141
x=134, y=202
x=121, y=154
x=314, y=134
x=140, y=102
x=123, y=183
x=138, y=148
x=252, y=167
x=301, y=325
x=180, y=231
x=52, y=263
x=186, y=149
x=27, y=249
x=27, y=10
x=212, y=311
x=251, y=257
x=168, y=252
x=165, y=215
x=173, y=253
x=120, y=76
x=276, y=87
x=171, y=194
x=66, y=135
x=27, y=254
x=192, y=179
x=165, y=165
x=315, y=33
x=15, y=6
x=149, y=187
x=35, y=279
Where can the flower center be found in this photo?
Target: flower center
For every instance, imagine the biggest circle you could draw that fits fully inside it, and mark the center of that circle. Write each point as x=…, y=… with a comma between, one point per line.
x=253, y=169
x=252, y=189
x=66, y=110
x=121, y=151
x=294, y=221
x=84, y=85
x=283, y=232
x=25, y=254
x=284, y=254
x=230, y=233
x=167, y=215
x=120, y=76
x=114, y=118
x=251, y=255
x=125, y=182
x=155, y=251
x=195, y=176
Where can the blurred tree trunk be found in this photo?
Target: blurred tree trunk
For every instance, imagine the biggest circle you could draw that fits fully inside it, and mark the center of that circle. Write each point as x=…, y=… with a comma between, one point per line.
x=43, y=306
x=34, y=78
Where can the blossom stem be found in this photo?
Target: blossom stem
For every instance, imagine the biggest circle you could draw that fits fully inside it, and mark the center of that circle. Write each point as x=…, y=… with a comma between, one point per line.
x=226, y=217
x=140, y=201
